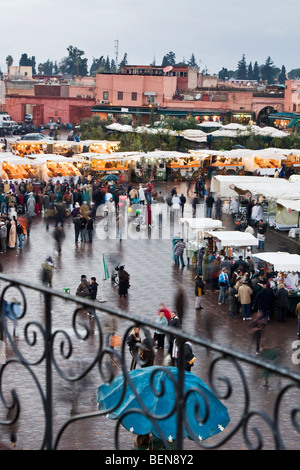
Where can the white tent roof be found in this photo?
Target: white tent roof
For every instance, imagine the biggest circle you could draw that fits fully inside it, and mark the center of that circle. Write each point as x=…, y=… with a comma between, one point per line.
x=209, y=124
x=294, y=205
x=234, y=238
x=201, y=223
x=282, y=261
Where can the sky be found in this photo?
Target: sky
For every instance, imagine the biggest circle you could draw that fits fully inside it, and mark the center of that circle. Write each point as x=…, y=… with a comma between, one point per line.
x=217, y=32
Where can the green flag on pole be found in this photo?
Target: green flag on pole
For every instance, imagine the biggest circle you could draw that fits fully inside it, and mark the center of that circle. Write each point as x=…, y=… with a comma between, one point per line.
x=105, y=270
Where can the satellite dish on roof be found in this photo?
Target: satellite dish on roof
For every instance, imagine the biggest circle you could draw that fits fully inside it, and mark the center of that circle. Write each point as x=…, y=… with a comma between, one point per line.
x=198, y=96
x=168, y=68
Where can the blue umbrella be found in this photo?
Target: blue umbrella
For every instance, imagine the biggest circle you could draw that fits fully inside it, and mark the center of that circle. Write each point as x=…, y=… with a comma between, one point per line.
x=111, y=177
x=204, y=414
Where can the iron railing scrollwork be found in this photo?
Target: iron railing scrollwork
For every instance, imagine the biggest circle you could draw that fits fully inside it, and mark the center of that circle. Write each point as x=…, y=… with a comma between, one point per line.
x=54, y=347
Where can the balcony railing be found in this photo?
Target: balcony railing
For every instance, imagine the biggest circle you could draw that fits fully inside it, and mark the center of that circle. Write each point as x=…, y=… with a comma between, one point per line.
x=61, y=344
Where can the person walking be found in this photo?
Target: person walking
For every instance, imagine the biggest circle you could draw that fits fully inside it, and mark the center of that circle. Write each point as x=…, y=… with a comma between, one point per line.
x=47, y=272
x=264, y=301
x=189, y=356
x=160, y=335
x=199, y=290
x=178, y=252
x=282, y=302
x=182, y=203
x=59, y=236
x=209, y=205
x=244, y=296
x=223, y=284
x=89, y=229
x=20, y=234
x=257, y=327
x=77, y=226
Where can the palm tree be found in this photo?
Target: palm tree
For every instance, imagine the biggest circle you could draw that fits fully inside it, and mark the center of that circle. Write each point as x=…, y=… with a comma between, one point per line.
x=9, y=61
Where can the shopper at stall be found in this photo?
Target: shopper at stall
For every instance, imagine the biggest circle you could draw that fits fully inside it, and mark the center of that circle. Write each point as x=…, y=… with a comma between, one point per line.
x=233, y=308
x=223, y=284
x=178, y=252
x=282, y=303
x=244, y=296
x=261, y=235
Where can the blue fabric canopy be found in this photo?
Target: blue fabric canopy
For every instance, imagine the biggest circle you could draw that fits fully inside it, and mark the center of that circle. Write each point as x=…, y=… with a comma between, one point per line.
x=204, y=415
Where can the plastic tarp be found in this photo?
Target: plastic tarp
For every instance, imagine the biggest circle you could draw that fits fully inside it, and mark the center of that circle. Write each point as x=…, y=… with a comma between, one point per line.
x=232, y=238
x=282, y=261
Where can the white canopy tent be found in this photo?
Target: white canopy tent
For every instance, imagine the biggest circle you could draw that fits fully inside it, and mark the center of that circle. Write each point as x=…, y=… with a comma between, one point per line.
x=282, y=261
x=234, y=238
x=200, y=226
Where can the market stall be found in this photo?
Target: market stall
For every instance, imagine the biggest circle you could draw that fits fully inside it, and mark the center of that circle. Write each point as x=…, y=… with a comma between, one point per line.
x=15, y=168
x=196, y=230
x=30, y=147
x=100, y=146
x=58, y=168
x=265, y=161
x=284, y=262
x=233, y=241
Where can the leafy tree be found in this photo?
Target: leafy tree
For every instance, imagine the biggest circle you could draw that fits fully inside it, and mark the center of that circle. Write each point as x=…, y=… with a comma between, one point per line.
x=9, y=61
x=124, y=61
x=223, y=74
x=169, y=59
x=107, y=64
x=282, y=75
x=113, y=66
x=294, y=74
x=98, y=66
x=93, y=128
x=242, y=69
x=250, y=72
x=268, y=71
x=192, y=62
x=74, y=63
x=256, y=73
x=27, y=61
x=46, y=68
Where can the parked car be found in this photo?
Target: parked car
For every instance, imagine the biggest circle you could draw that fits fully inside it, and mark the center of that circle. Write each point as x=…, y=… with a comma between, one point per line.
x=52, y=125
x=27, y=129
x=36, y=136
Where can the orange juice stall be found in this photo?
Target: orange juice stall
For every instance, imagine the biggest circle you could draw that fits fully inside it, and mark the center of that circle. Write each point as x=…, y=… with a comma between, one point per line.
x=29, y=147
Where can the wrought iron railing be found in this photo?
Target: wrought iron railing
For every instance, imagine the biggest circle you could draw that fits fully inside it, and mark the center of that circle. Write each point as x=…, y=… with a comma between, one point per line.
x=51, y=353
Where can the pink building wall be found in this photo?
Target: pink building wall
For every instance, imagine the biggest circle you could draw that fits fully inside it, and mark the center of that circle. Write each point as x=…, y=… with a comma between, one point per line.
x=163, y=86
x=44, y=108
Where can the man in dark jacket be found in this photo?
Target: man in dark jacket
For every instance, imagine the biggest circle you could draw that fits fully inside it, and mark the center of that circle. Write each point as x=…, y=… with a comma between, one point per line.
x=282, y=302
x=174, y=322
x=93, y=288
x=209, y=205
x=83, y=287
x=264, y=301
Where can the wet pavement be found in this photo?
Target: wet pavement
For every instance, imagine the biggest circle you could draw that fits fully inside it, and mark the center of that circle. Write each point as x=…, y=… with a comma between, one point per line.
x=147, y=256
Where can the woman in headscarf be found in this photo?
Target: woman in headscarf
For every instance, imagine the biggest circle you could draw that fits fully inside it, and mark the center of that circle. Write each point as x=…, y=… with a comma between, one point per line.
x=12, y=238
x=31, y=205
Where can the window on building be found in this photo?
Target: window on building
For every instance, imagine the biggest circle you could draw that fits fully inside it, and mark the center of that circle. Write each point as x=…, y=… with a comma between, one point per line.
x=150, y=99
x=105, y=95
x=134, y=96
x=120, y=95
